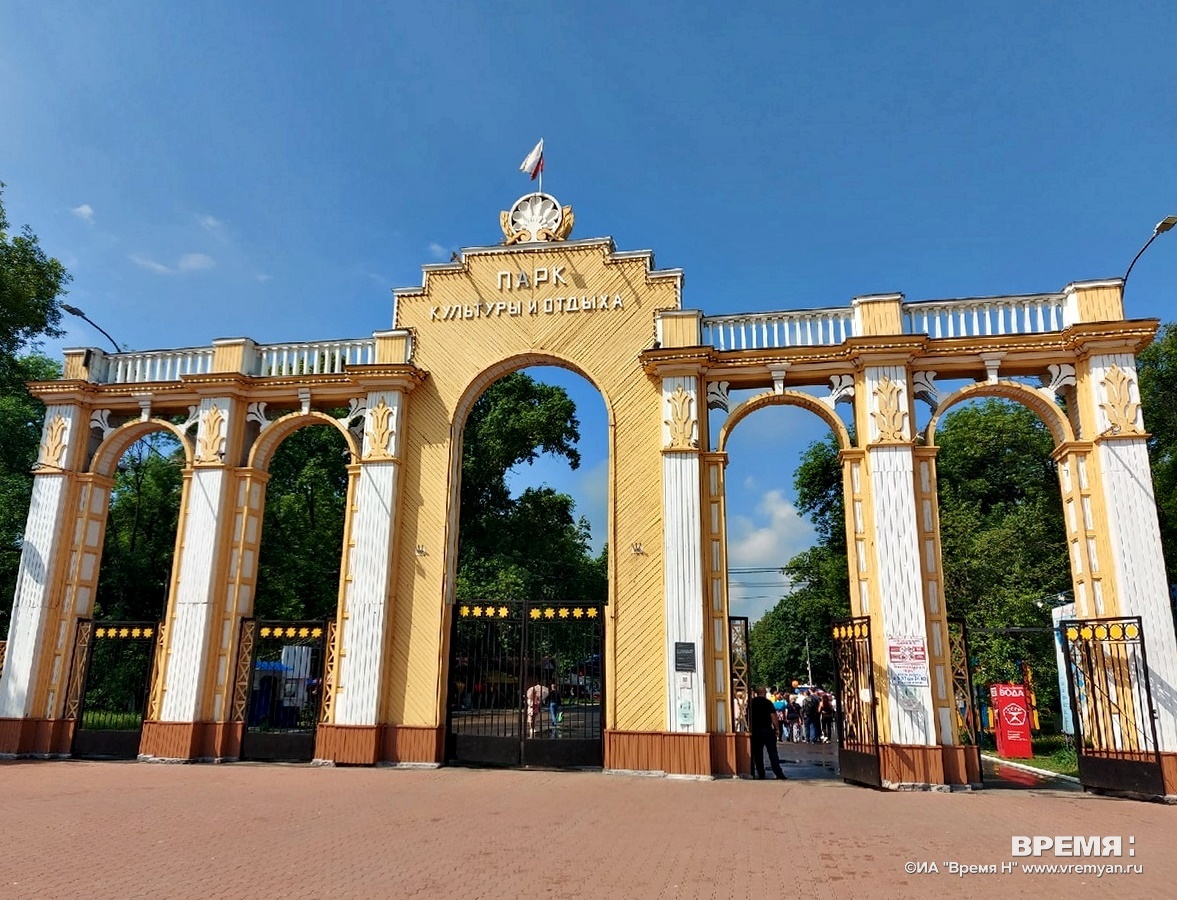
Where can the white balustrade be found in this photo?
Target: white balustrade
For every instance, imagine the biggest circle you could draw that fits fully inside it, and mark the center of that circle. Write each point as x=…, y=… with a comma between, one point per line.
x=314, y=358
x=154, y=365
x=981, y=316
x=792, y=328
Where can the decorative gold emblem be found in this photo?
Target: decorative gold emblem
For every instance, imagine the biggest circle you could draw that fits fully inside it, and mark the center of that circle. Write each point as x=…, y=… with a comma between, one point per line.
x=889, y=418
x=681, y=423
x=209, y=446
x=383, y=425
x=534, y=218
x=1120, y=408
x=53, y=447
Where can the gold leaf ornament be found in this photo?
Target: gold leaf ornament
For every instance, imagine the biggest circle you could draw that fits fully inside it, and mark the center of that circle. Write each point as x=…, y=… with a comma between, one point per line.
x=209, y=446
x=53, y=447
x=382, y=425
x=889, y=418
x=681, y=422
x=1120, y=408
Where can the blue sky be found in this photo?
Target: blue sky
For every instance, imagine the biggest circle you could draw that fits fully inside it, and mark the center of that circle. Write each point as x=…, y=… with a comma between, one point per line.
x=278, y=167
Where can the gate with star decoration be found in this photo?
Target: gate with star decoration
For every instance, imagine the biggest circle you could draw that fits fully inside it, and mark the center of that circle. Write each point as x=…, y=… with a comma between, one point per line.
x=1112, y=705
x=508, y=661
x=281, y=698
x=109, y=684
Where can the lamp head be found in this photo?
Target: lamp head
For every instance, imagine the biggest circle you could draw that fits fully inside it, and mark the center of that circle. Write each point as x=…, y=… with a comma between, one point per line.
x=1166, y=224
x=74, y=311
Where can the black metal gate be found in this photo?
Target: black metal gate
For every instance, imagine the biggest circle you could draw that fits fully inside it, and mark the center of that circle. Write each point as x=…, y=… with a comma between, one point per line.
x=737, y=634
x=505, y=661
x=966, y=714
x=1111, y=705
x=109, y=684
x=284, y=688
x=858, y=729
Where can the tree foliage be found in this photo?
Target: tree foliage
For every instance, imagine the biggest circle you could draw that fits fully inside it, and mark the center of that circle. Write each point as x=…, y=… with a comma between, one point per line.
x=1157, y=366
x=31, y=284
x=135, y=573
x=530, y=546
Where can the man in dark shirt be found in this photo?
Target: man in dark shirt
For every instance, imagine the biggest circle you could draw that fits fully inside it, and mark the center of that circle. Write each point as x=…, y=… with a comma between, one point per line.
x=764, y=725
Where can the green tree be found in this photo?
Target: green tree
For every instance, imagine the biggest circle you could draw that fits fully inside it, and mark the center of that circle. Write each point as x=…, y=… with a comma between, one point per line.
x=1157, y=366
x=530, y=546
x=31, y=284
x=21, y=418
x=137, y=552
x=302, y=531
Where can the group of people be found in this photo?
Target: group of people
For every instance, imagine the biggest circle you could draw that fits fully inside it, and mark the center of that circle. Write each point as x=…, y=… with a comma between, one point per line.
x=806, y=715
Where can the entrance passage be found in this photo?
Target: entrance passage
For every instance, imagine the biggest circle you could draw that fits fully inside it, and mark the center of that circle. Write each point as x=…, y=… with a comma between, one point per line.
x=109, y=686
x=505, y=659
x=858, y=727
x=285, y=688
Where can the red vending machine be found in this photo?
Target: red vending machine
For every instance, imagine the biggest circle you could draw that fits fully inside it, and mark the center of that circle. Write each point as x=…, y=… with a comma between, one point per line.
x=1011, y=710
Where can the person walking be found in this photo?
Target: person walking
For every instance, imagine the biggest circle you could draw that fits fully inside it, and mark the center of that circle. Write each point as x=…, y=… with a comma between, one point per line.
x=764, y=724
x=555, y=710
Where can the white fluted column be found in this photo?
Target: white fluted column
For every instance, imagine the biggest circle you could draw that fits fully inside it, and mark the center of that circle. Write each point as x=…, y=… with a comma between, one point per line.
x=682, y=554
x=1134, y=536
x=370, y=562
x=891, y=468
x=32, y=633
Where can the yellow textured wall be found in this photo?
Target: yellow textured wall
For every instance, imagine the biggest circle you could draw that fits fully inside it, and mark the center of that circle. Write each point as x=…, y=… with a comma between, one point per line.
x=456, y=352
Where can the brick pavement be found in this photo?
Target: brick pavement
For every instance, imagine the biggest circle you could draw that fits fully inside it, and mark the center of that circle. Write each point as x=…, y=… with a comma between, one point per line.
x=127, y=830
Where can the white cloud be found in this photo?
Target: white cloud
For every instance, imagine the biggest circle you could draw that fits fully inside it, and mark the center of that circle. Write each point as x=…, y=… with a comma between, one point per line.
x=151, y=265
x=193, y=262
x=189, y=262
x=213, y=226
x=437, y=251
x=774, y=534
x=85, y=212
x=263, y=277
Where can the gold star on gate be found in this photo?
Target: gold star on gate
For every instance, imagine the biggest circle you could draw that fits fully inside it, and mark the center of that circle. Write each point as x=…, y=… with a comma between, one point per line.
x=549, y=613
x=535, y=613
x=578, y=613
x=591, y=613
x=563, y=613
x=503, y=611
x=464, y=611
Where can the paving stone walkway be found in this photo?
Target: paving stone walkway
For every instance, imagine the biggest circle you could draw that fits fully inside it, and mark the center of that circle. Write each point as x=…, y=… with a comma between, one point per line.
x=128, y=830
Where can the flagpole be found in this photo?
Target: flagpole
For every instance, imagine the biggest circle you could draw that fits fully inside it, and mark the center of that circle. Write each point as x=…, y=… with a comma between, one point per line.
x=541, y=170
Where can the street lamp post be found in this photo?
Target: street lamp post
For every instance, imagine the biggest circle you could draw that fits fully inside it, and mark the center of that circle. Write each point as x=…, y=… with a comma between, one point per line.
x=74, y=311
x=1166, y=224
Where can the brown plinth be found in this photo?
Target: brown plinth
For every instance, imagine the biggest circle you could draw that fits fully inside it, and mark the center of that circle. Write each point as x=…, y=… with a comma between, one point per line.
x=731, y=755
x=911, y=767
x=413, y=744
x=366, y=745
x=191, y=740
x=658, y=751
x=1169, y=773
x=348, y=745
x=36, y=737
x=962, y=765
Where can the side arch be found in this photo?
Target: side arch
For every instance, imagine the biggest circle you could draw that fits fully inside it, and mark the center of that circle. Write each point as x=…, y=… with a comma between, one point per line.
x=785, y=398
x=1047, y=410
x=115, y=444
x=262, y=451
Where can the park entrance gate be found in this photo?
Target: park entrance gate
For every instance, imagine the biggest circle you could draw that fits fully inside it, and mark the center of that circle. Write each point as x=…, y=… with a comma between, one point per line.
x=1112, y=705
x=109, y=684
x=504, y=659
x=858, y=727
x=279, y=694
